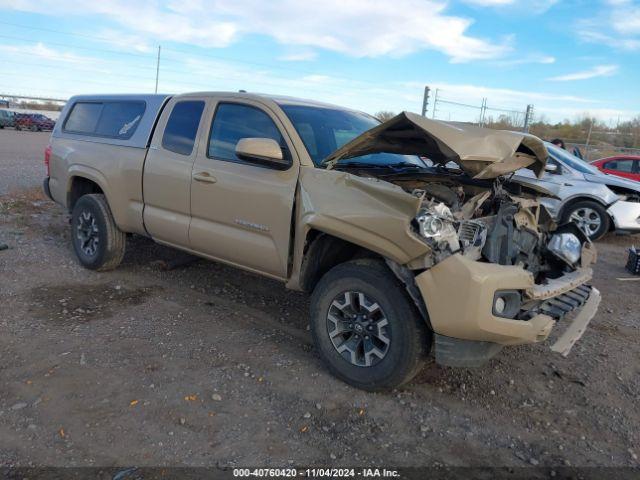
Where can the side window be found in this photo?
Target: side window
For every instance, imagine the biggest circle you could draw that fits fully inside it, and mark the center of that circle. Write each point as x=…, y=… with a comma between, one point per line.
x=83, y=117
x=105, y=119
x=625, y=166
x=182, y=127
x=120, y=119
x=233, y=122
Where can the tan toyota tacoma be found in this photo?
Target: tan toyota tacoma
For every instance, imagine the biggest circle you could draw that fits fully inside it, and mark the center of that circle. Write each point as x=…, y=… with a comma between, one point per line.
x=409, y=234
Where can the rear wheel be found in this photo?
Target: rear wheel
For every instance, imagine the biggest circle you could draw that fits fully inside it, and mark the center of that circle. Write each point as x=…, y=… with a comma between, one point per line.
x=98, y=243
x=591, y=218
x=365, y=327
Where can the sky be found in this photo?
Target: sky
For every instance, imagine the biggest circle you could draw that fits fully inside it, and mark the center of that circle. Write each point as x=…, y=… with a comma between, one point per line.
x=567, y=58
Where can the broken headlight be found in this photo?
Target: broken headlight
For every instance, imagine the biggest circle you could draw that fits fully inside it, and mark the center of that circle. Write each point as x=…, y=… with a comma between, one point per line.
x=430, y=225
x=565, y=246
x=436, y=225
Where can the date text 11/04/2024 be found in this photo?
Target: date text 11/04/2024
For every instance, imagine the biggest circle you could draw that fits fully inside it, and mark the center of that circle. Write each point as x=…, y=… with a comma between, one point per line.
x=317, y=472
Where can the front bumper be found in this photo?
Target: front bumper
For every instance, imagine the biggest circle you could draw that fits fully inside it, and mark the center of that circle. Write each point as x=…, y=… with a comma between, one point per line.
x=625, y=215
x=459, y=296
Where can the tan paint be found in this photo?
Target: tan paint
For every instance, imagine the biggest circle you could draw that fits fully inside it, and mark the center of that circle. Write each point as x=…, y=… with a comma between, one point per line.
x=117, y=170
x=459, y=294
x=167, y=184
x=244, y=216
x=367, y=212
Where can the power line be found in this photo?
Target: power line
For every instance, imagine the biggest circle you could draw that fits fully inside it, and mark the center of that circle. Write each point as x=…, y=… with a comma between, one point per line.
x=58, y=44
x=169, y=49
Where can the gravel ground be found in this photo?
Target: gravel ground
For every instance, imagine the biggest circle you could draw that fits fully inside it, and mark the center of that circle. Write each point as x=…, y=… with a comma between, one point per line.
x=22, y=159
x=206, y=365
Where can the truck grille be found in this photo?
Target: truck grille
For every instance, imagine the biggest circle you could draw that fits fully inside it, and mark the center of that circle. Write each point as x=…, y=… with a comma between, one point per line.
x=470, y=233
x=558, y=307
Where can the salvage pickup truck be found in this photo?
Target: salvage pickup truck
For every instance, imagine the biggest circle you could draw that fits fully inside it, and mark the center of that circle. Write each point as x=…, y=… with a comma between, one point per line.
x=400, y=254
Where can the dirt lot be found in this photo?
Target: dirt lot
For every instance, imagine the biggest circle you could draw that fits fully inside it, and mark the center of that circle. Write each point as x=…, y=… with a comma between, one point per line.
x=206, y=365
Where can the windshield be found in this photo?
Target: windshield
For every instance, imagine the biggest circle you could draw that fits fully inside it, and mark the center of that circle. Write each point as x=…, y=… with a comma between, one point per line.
x=324, y=130
x=570, y=160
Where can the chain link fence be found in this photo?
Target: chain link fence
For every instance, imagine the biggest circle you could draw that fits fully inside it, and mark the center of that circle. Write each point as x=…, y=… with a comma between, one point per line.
x=591, y=152
x=482, y=114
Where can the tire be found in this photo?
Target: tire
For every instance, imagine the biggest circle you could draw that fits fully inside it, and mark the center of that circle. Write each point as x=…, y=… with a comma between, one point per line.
x=98, y=243
x=590, y=216
x=409, y=340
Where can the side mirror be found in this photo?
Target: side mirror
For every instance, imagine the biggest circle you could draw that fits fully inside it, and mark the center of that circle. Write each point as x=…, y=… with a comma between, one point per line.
x=261, y=150
x=551, y=168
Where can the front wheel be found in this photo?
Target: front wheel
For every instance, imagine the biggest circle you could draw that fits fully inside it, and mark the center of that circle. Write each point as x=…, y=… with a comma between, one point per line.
x=98, y=242
x=590, y=217
x=366, y=328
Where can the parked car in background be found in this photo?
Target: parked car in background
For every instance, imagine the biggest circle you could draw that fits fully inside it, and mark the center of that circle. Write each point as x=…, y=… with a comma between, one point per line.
x=622, y=166
x=36, y=122
x=596, y=202
x=7, y=118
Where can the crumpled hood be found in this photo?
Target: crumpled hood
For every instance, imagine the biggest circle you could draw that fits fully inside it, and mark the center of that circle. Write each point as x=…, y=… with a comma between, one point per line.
x=480, y=152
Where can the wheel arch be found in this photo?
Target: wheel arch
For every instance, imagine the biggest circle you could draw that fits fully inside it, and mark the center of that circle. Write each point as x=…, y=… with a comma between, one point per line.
x=580, y=198
x=323, y=251
x=586, y=198
x=83, y=180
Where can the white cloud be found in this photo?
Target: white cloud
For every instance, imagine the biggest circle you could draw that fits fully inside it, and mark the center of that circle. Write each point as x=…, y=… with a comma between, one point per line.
x=597, y=71
x=300, y=56
x=506, y=97
x=130, y=42
x=43, y=52
x=491, y=3
x=526, y=59
x=619, y=43
x=625, y=16
x=617, y=25
x=535, y=6
x=359, y=28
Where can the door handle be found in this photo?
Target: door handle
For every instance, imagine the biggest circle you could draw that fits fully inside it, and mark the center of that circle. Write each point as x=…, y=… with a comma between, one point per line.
x=204, y=177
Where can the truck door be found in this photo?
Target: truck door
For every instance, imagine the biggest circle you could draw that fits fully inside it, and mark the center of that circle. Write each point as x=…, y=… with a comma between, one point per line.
x=241, y=211
x=166, y=184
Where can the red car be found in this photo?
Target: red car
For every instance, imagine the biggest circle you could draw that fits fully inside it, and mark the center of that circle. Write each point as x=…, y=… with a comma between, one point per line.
x=35, y=122
x=624, y=166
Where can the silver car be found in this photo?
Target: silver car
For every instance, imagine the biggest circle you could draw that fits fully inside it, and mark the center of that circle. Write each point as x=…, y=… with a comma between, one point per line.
x=597, y=202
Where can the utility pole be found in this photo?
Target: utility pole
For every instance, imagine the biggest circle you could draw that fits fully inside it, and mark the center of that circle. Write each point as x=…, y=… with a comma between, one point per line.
x=586, y=147
x=528, y=117
x=425, y=101
x=158, y=68
x=483, y=110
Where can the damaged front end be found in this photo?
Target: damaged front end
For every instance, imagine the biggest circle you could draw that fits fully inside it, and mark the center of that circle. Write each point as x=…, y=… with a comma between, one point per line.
x=498, y=270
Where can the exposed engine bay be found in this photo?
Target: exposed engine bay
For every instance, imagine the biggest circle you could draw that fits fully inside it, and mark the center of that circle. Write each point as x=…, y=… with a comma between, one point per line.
x=495, y=221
